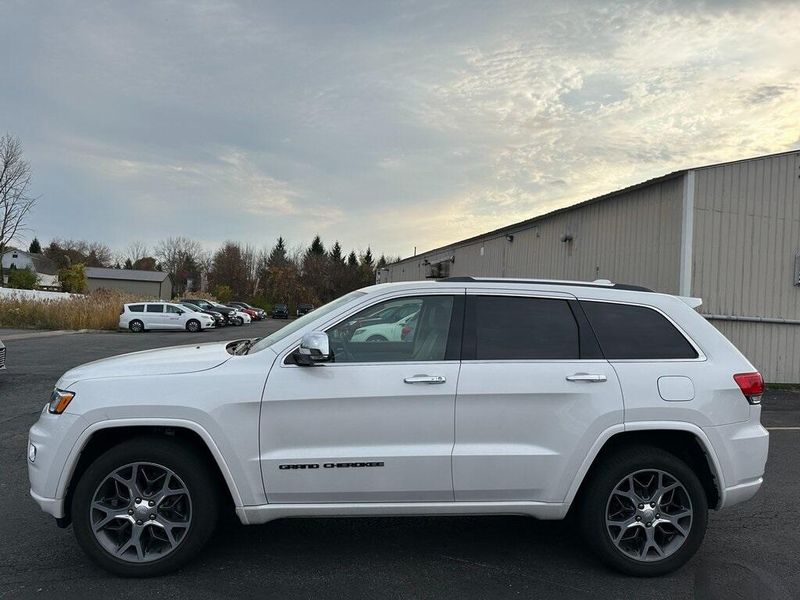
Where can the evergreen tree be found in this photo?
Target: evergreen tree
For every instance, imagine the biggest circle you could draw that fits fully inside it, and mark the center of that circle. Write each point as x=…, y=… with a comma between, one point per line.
x=352, y=259
x=35, y=247
x=128, y=264
x=278, y=256
x=337, y=258
x=316, y=248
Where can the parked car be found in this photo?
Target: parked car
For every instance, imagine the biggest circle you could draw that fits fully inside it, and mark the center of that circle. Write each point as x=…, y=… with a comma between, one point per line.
x=304, y=309
x=260, y=312
x=227, y=311
x=387, y=332
x=513, y=397
x=2, y=356
x=280, y=311
x=248, y=311
x=237, y=317
x=391, y=314
x=144, y=316
x=219, y=318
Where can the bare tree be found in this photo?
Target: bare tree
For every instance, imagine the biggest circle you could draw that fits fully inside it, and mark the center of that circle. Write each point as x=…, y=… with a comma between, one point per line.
x=183, y=259
x=15, y=203
x=133, y=252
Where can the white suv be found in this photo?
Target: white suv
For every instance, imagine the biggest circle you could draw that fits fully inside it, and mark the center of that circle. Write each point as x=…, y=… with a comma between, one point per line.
x=144, y=316
x=622, y=404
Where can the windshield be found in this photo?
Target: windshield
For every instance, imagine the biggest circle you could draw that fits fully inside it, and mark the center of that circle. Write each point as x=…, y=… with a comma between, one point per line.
x=301, y=322
x=190, y=307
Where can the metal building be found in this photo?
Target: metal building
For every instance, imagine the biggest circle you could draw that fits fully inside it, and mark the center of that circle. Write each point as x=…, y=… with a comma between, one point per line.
x=146, y=284
x=727, y=233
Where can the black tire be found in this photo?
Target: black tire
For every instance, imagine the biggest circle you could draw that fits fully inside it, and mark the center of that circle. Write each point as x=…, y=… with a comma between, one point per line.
x=377, y=338
x=136, y=326
x=193, y=326
x=239, y=321
x=597, y=490
x=184, y=462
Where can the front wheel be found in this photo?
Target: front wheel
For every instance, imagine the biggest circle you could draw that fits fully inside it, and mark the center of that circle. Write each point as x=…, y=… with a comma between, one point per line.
x=193, y=326
x=145, y=507
x=644, y=511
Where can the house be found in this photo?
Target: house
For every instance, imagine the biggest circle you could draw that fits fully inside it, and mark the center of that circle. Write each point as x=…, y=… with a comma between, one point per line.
x=148, y=284
x=45, y=269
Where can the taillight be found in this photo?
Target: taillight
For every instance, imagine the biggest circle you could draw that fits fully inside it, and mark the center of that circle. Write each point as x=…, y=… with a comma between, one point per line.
x=752, y=386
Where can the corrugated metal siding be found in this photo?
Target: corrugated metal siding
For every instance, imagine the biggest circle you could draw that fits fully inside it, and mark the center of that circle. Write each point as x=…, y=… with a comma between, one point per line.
x=746, y=237
x=774, y=349
x=633, y=237
x=145, y=289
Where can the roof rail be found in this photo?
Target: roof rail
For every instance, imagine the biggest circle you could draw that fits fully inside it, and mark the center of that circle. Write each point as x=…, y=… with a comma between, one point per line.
x=599, y=283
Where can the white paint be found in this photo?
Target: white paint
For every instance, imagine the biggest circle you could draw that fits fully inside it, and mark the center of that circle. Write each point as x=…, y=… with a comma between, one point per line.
x=687, y=236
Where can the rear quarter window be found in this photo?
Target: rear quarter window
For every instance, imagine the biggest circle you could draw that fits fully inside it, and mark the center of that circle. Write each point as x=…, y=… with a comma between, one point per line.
x=630, y=332
x=136, y=308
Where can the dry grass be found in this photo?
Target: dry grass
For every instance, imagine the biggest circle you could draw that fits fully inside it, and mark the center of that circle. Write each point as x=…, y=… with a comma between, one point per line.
x=98, y=310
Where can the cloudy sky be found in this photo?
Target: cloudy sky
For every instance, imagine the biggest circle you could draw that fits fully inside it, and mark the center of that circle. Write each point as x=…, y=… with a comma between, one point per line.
x=386, y=124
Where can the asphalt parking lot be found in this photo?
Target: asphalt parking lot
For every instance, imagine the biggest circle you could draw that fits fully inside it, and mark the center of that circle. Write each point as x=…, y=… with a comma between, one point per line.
x=750, y=551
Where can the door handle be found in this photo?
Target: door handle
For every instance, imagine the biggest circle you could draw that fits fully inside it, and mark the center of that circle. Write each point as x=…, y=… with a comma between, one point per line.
x=588, y=377
x=425, y=379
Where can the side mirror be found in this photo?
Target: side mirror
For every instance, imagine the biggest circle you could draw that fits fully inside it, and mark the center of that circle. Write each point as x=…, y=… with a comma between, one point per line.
x=314, y=348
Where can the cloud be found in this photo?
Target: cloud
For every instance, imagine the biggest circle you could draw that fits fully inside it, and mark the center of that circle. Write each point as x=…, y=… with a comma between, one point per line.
x=390, y=125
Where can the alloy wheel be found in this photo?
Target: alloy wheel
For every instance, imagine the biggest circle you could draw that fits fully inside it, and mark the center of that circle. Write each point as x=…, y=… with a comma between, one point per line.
x=649, y=515
x=141, y=512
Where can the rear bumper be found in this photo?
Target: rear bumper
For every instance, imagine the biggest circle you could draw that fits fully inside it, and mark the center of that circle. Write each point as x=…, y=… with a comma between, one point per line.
x=742, y=450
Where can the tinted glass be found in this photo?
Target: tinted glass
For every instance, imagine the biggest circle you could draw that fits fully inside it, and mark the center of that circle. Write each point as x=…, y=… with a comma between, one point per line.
x=173, y=309
x=136, y=308
x=509, y=328
x=636, y=332
x=417, y=334
x=155, y=308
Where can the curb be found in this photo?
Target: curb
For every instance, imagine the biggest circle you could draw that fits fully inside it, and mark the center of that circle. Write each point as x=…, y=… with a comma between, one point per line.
x=51, y=333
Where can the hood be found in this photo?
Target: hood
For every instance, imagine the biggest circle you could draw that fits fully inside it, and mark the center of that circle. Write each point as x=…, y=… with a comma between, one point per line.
x=162, y=361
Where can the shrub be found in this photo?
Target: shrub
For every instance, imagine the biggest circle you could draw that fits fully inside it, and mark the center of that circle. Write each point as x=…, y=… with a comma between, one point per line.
x=98, y=310
x=22, y=279
x=223, y=293
x=73, y=279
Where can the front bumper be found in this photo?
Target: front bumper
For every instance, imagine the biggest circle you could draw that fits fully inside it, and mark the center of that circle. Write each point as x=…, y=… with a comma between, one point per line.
x=53, y=437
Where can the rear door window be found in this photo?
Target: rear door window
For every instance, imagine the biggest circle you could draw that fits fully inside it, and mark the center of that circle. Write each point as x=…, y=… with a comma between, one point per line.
x=630, y=332
x=518, y=328
x=155, y=308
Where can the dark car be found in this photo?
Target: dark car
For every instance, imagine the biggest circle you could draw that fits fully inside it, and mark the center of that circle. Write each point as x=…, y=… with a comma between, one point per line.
x=259, y=312
x=304, y=309
x=228, y=312
x=280, y=311
x=219, y=318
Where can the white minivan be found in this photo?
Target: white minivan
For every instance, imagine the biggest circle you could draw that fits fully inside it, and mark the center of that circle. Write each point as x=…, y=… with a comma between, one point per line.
x=144, y=316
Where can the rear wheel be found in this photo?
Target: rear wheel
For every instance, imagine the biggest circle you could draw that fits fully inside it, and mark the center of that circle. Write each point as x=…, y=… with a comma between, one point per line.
x=644, y=511
x=145, y=507
x=136, y=326
x=193, y=326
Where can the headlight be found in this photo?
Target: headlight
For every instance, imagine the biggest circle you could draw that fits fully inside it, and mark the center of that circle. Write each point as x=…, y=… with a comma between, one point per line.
x=59, y=400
